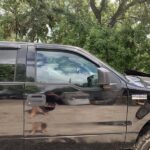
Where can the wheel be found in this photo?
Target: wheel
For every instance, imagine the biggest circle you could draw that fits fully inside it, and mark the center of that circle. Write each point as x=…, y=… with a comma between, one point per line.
x=143, y=142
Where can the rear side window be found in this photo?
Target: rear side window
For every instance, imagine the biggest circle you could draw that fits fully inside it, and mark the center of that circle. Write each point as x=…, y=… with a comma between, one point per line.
x=7, y=65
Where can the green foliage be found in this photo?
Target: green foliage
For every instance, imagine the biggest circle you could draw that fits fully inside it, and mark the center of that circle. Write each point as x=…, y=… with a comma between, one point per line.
x=121, y=48
x=74, y=23
x=31, y=89
x=7, y=72
x=120, y=37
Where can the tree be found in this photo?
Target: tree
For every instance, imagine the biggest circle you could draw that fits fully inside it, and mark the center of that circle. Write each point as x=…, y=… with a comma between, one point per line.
x=26, y=20
x=117, y=32
x=123, y=7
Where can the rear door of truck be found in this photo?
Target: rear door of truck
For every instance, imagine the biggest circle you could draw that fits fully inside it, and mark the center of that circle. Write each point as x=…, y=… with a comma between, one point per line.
x=12, y=77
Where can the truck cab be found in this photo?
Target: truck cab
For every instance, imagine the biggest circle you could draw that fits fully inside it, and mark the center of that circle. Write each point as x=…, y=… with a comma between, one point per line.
x=55, y=95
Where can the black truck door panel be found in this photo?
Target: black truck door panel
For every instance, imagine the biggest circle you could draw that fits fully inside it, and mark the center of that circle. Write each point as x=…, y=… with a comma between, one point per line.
x=76, y=109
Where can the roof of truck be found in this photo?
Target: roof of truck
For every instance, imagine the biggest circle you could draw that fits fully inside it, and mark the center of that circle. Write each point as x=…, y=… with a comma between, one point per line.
x=8, y=44
x=17, y=45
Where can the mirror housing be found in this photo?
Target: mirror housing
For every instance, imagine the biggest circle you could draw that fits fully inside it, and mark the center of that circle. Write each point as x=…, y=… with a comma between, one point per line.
x=103, y=76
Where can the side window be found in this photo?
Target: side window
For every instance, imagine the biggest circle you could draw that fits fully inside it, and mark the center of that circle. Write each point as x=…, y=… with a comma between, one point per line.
x=7, y=65
x=63, y=67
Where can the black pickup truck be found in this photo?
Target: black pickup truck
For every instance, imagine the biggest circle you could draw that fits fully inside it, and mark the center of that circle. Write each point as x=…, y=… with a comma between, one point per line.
x=62, y=97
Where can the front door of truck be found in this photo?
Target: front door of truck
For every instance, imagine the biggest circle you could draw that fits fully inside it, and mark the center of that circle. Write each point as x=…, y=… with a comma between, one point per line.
x=11, y=97
x=66, y=104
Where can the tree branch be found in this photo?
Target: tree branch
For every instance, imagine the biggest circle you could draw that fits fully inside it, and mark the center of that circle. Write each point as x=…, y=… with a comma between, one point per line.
x=102, y=6
x=98, y=11
x=122, y=8
x=95, y=10
x=119, y=12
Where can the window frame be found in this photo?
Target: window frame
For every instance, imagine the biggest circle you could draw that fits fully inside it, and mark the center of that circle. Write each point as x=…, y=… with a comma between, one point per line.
x=62, y=51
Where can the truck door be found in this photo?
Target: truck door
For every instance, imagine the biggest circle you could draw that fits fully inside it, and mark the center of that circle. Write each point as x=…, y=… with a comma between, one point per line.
x=66, y=104
x=11, y=97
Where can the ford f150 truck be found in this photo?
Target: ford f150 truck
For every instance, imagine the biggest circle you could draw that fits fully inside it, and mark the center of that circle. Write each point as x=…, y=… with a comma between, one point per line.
x=52, y=93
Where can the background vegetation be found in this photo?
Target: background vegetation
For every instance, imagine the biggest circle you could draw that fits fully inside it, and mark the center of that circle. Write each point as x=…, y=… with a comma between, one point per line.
x=117, y=31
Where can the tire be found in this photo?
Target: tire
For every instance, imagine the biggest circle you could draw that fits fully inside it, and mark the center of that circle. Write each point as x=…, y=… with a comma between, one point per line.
x=143, y=142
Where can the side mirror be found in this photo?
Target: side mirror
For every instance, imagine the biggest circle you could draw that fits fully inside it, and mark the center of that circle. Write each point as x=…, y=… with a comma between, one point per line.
x=103, y=76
